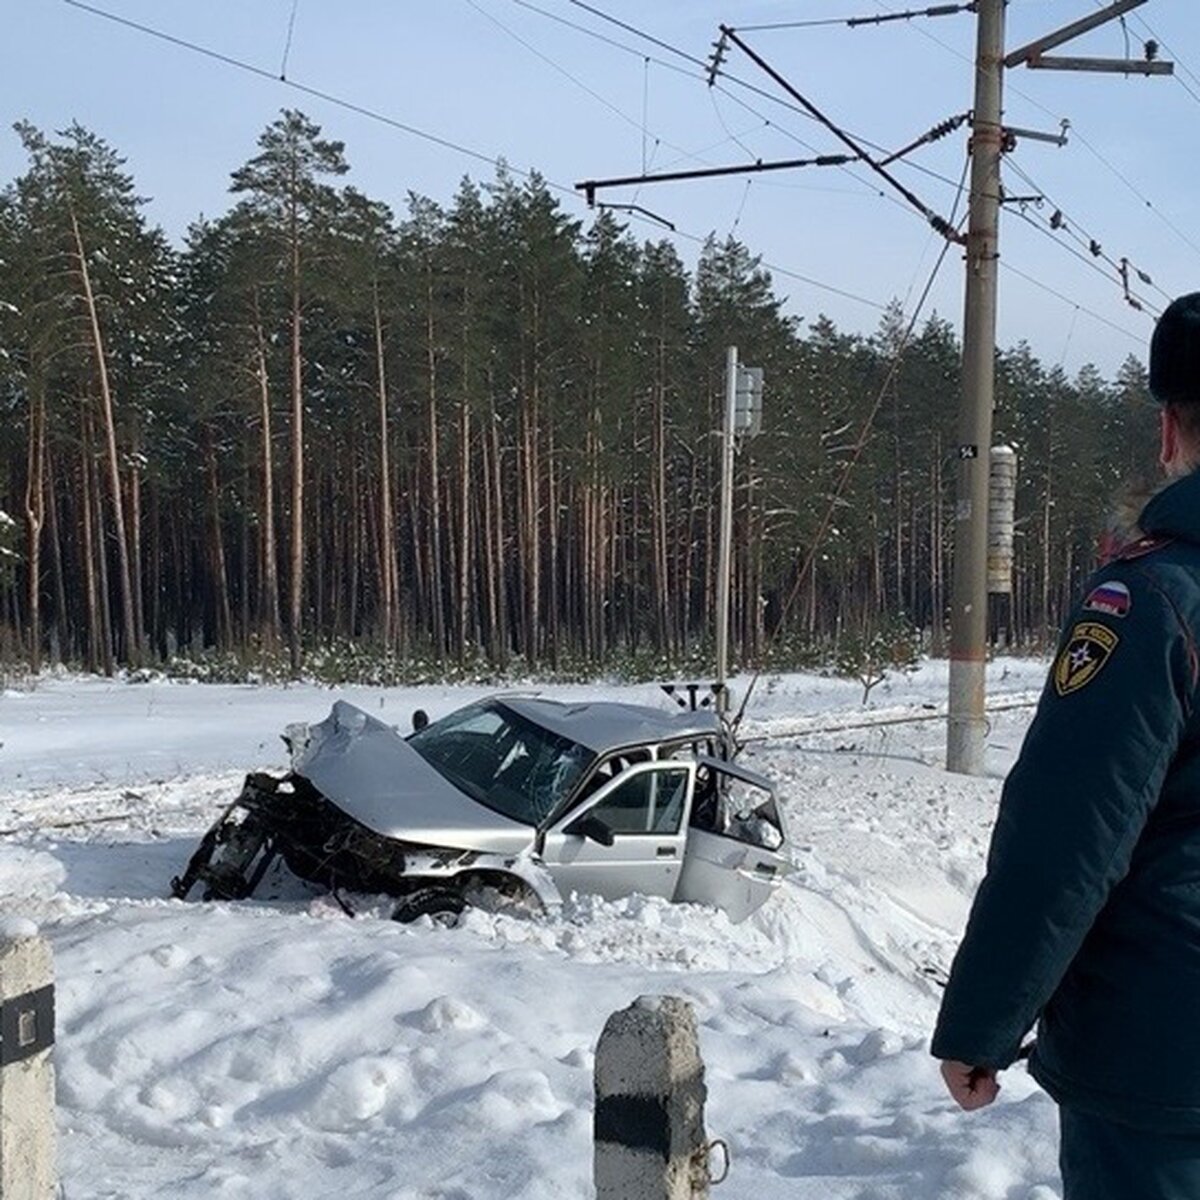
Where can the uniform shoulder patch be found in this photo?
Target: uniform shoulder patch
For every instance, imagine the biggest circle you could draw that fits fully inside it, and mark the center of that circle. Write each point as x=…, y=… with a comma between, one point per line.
x=1083, y=657
x=1112, y=599
x=1141, y=547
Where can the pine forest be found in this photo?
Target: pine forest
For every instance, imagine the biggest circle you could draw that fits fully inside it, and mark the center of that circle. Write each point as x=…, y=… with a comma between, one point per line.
x=477, y=436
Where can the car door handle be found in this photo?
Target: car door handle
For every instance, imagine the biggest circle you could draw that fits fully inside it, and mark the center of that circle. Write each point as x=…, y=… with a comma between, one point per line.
x=666, y=852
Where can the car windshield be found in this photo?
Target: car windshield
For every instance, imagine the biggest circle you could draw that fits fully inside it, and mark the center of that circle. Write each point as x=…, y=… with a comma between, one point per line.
x=503, y=760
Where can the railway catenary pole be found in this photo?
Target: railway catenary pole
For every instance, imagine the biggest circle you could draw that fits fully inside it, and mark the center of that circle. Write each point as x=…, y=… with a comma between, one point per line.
x=968, y=613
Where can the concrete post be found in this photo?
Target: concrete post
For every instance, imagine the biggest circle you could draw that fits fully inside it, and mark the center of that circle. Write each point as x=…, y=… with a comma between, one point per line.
x=28, y=1169
x=967, y=726
x=649, y=1120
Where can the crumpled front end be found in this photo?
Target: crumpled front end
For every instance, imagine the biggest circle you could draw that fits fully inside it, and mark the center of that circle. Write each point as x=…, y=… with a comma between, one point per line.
x=289, y=819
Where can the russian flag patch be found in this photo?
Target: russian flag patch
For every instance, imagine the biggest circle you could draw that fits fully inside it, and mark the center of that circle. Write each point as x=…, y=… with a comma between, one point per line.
x=1112, y=599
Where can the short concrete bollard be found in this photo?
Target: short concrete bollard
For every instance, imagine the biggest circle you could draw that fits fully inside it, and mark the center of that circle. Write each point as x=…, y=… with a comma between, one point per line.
x=28, y=1170
x=650, y=1092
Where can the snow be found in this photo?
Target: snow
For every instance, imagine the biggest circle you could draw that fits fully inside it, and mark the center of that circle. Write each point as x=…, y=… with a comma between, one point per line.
x=280, y=1049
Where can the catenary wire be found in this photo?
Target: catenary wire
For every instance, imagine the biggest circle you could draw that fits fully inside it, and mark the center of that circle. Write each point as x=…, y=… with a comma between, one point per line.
x=317, y=93
x=1087, y=261
x=500, y=163
x=1184, y=69
x=1062, y=358
x=734, y=79
x=869, y=188
x=436, y=139
x=1082, y=237
x=579, y=83
x=1111, y=167
x=1045, y=287
x=741, y=207
x=287, y=46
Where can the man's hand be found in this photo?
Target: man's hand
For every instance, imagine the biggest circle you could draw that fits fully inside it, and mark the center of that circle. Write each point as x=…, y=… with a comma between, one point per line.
x=971, y=1087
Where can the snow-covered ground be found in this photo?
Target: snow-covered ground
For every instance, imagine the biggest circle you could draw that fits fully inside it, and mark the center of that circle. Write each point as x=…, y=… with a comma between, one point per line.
x=280, y=1049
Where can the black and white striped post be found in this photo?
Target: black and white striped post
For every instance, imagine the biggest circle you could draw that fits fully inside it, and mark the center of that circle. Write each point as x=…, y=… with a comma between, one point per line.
x=28, y=1170
x=650, y=1093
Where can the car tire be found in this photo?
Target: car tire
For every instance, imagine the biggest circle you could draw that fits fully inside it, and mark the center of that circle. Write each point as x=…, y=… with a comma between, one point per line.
x=444, y=905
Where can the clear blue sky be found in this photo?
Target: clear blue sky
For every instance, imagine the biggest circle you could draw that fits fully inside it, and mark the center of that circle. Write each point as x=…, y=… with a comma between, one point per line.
x=500, y=78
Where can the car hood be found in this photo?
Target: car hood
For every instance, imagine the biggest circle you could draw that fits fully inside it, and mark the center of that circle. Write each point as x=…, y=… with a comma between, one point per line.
x=375, y=777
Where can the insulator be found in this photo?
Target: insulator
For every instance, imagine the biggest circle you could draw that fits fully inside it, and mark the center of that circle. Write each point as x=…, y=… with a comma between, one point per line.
x=947, y=126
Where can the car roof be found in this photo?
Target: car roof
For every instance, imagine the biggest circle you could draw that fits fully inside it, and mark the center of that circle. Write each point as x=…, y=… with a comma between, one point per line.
x=609, y=725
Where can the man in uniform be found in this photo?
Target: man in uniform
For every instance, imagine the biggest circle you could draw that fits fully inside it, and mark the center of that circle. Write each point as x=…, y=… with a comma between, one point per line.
x=1088, y=918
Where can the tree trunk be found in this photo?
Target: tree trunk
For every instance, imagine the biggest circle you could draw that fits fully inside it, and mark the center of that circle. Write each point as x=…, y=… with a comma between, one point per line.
x=464, y=526
x=132, y=640
x=216, y=546
x=295, y=612
x=35, y=497
x=63, y=623
x=387, y=531
x=435, y=479
x=91, y=599
x=269, y=601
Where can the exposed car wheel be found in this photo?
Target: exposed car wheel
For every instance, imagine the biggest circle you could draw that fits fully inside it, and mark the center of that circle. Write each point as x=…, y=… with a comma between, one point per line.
x=444, y=905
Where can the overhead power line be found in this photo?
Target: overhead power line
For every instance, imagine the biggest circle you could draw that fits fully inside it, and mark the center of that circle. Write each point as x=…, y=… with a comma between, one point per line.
x=641, y=126
x=939, y=223
x=1045, y=287
x=1088, y=245
x=579, y=83
x=495, y=161
x=1131, y=298
x=676, y=68
x=735, y=80
x=649, y=37
x=1105, y=162
x=287, y=46
x=1184, y=69
x=306, y=89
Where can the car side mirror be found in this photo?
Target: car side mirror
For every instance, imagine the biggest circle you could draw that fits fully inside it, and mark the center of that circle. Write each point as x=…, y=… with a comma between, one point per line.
x=420, y=719
x=592, y=828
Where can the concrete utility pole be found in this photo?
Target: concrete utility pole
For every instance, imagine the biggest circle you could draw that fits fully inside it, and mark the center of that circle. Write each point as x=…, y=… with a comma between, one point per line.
x=968, y=611
x=743, y=419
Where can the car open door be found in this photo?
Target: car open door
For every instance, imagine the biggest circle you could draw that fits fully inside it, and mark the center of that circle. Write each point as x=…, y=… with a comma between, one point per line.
x=737, y=844
x=628, y=837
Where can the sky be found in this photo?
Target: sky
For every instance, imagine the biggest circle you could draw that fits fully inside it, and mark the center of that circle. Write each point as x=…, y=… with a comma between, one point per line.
x=552, y=86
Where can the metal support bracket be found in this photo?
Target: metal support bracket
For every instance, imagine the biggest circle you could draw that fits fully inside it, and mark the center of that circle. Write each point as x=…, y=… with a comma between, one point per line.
x=1070, y=32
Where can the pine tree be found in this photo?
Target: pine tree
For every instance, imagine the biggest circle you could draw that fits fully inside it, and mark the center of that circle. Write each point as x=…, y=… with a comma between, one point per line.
x=284, y=189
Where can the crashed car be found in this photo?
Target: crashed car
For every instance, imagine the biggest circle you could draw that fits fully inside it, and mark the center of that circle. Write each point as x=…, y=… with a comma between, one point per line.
x=509, y=803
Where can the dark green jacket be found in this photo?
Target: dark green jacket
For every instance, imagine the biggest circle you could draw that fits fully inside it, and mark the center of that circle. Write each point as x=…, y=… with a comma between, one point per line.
x=1088, y=917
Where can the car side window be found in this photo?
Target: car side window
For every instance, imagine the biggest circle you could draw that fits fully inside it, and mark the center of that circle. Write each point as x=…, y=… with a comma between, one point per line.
x=648, y=803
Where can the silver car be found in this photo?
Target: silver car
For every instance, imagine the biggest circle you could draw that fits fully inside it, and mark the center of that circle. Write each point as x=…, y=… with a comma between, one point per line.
x=510, y=803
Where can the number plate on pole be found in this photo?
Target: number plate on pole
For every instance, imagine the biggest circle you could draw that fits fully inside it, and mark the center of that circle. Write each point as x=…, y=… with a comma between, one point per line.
x=26, y=1025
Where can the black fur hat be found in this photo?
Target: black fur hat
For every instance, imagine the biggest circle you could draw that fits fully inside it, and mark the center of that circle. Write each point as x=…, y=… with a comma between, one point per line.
x=1175, y=353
